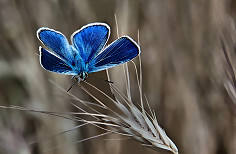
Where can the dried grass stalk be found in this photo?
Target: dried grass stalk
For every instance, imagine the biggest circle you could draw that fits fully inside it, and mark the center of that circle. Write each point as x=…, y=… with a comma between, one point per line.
x=131, y=120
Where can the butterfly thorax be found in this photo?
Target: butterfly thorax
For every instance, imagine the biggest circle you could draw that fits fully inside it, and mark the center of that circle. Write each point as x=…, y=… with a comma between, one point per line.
x=83, y=71
x=80, y=66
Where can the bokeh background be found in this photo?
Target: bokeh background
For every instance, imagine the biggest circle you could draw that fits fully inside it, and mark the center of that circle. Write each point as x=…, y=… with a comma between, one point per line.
x=184, y=71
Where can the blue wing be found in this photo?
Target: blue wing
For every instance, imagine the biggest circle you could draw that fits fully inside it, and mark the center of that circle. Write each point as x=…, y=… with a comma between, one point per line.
x=120, y=51
x=90, y=40
x=57, y=43
x=53, y=63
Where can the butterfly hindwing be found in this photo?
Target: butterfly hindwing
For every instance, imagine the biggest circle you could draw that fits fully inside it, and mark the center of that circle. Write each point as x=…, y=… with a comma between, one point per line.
x=57, y=43
x=53, y=63
x=90, y=40
x=120, y=51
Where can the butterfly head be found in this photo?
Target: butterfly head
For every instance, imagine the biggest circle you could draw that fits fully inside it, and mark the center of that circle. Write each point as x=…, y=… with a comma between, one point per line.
x=83, y=76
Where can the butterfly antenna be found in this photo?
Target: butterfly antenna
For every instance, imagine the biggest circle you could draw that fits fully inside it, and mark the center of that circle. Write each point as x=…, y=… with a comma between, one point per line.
x=102, y=78
x=76, y=80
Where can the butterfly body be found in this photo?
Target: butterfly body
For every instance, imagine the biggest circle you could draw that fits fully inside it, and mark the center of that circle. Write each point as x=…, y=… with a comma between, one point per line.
x=87, y=54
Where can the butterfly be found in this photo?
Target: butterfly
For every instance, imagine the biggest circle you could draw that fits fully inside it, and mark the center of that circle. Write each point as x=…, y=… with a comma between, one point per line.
x=87, y=53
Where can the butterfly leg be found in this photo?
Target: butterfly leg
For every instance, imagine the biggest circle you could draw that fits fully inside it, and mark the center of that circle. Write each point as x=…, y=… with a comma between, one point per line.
x=76, y=80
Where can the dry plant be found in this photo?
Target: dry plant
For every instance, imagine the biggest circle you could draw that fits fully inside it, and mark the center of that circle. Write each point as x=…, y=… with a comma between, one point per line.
x=127, y=119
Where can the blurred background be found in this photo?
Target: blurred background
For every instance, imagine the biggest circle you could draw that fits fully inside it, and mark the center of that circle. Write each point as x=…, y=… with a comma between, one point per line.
x=184, y=71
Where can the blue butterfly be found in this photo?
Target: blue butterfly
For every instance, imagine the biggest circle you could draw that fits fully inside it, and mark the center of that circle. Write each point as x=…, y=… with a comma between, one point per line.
x=88, y=52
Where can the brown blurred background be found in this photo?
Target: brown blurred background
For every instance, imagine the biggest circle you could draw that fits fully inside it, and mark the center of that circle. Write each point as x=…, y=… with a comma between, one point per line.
x=183, y=73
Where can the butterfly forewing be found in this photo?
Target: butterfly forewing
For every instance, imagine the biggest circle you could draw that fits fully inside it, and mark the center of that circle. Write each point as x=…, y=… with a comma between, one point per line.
x=90, y=40
x=120, y=51
x=56, y=43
